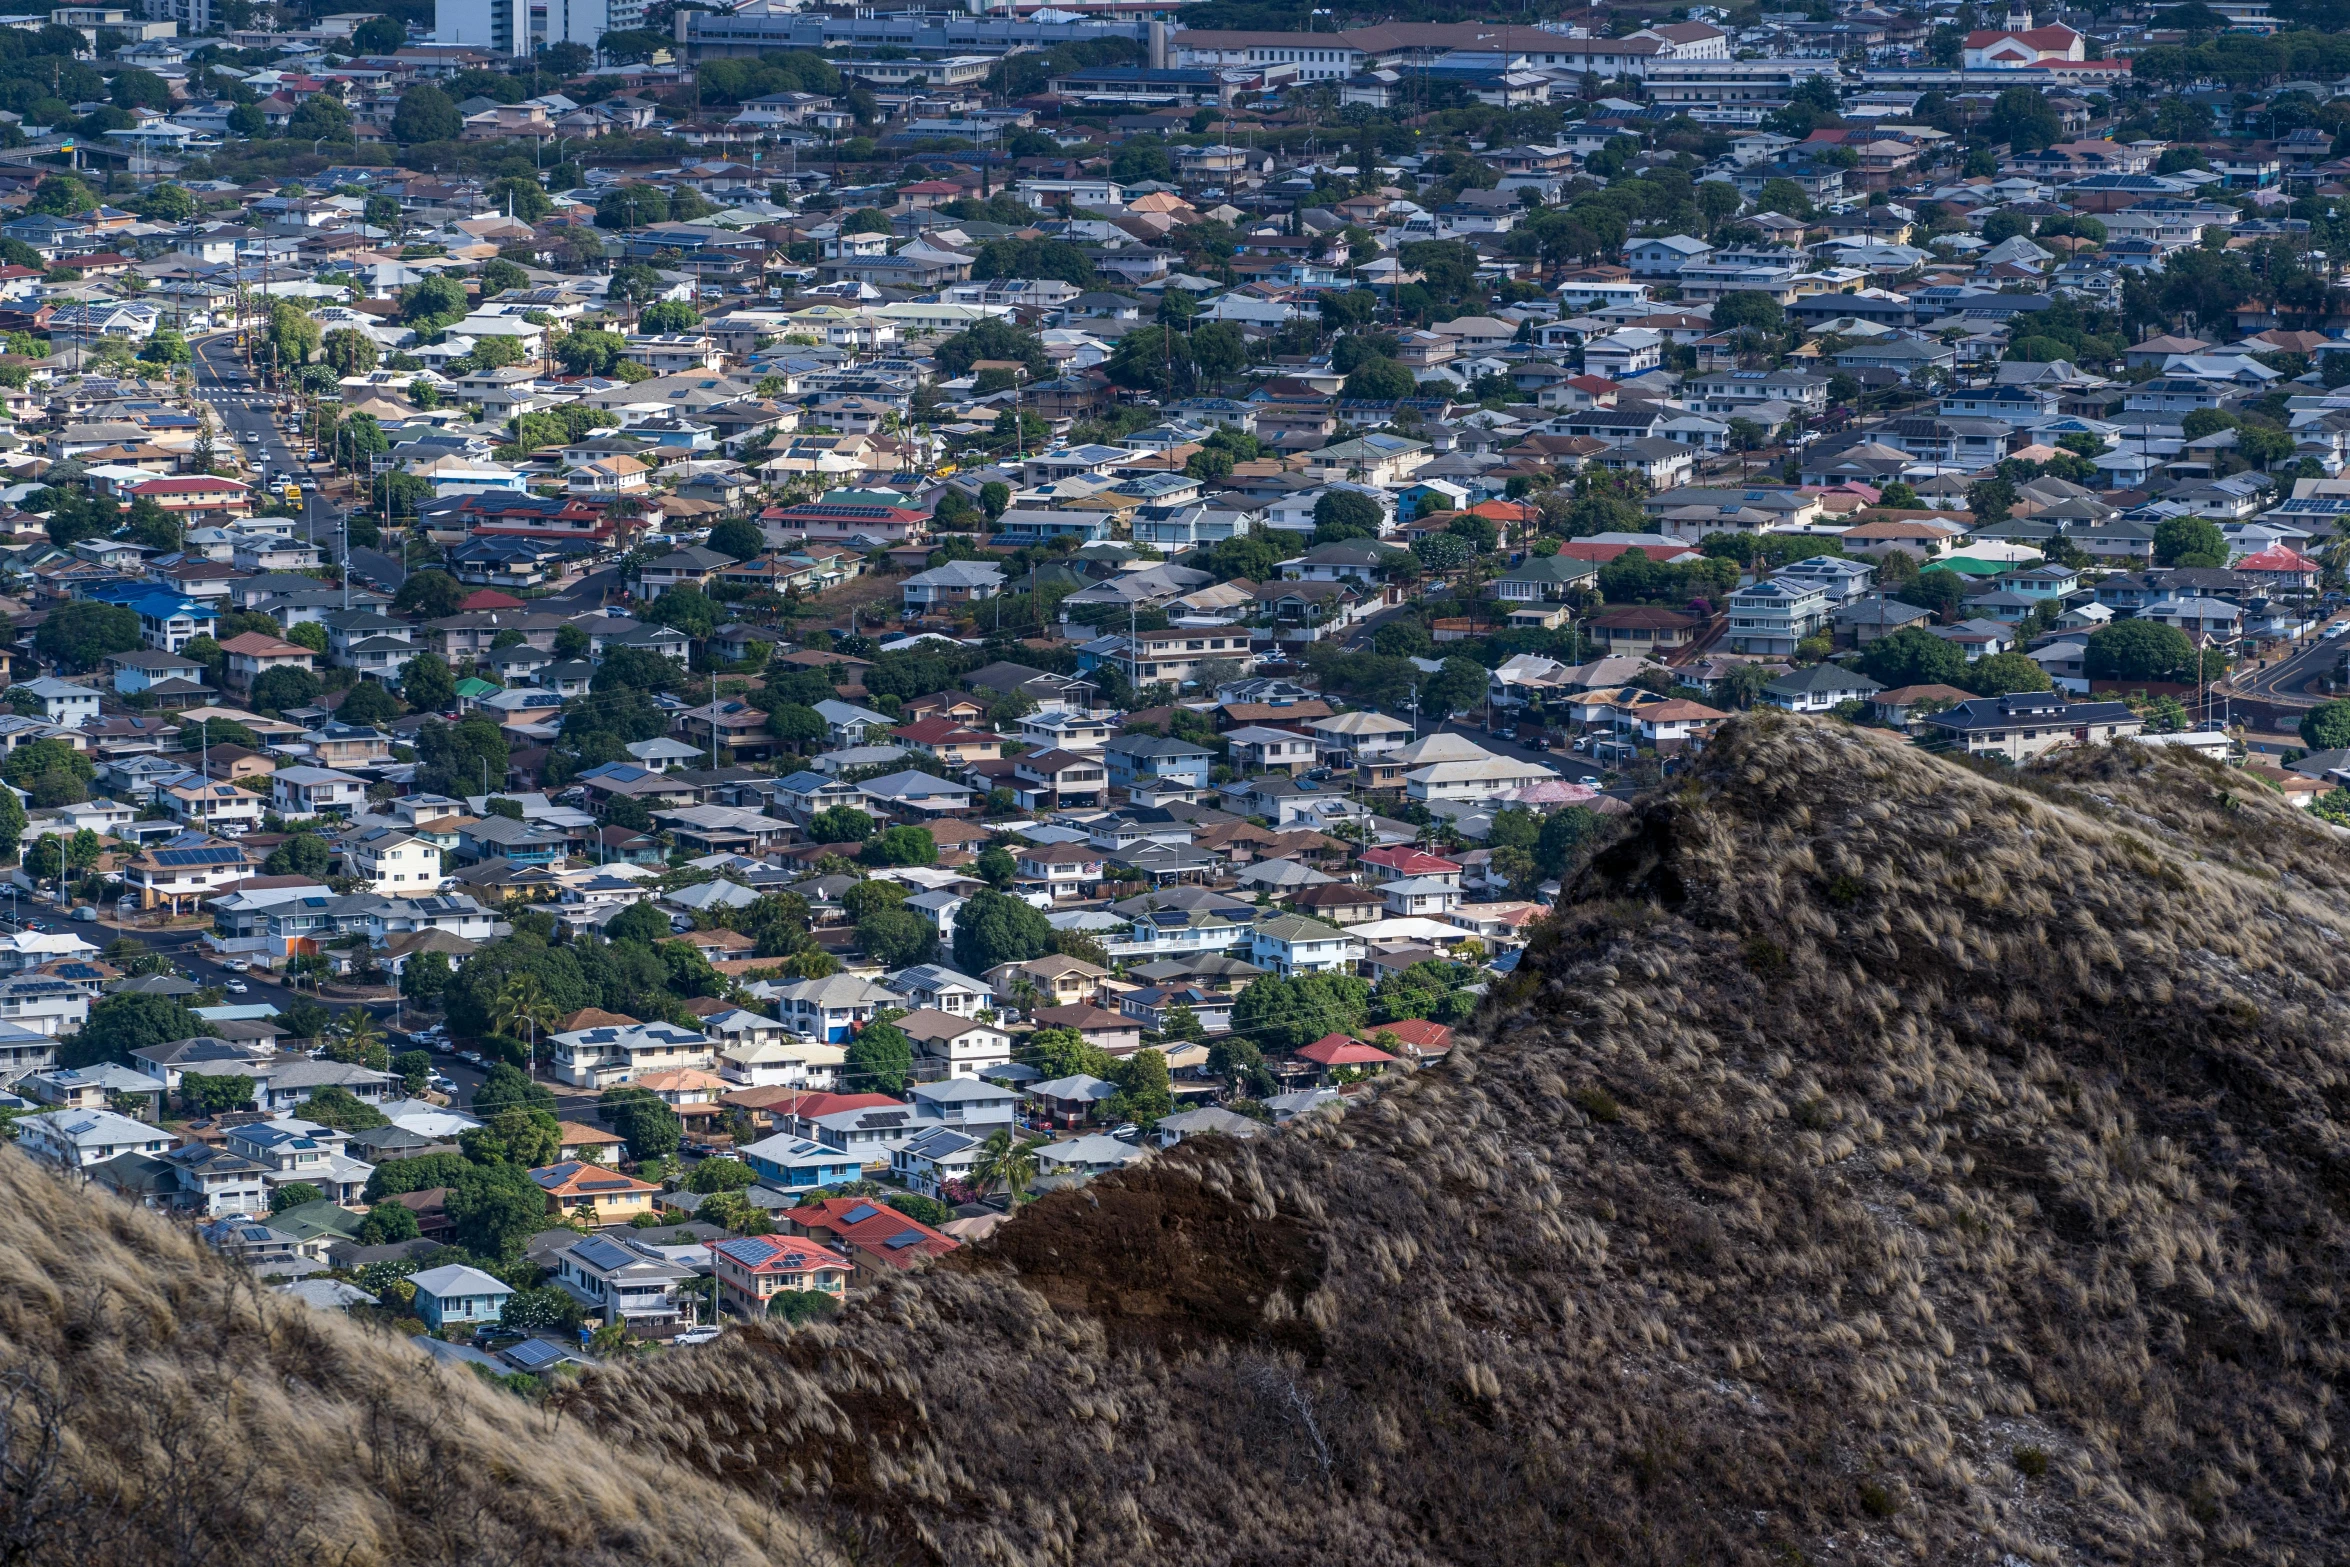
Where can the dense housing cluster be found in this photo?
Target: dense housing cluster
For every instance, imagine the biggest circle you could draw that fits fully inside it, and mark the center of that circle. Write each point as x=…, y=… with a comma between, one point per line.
x=879, y=614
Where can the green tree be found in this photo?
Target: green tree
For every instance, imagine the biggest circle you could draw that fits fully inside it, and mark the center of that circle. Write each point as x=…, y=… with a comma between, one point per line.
x=62, y=196
x=1913, y=656
x=432, y=595
x=720, y=1175
x=120, y=1024
x=639, y=922
x=2137, y=650
x=494, y=1208
x=415, y=1070
x=1143, y=1095
x=279, y=689
x=293, y=1194
x=1990, y=500
x=210, y=1095
x=349, y=350
x=525, y=1137
x=425, y=976
x=1346, y=514
x=338, y=1107
x=897, y=938
x=880, y=1060
x=1940, y=590
x=2001, y=673
x=671, y=315
x=840, y=824
x=2325, y=727
x=738, y=538
x=2189, y=541
x=1748, y=310
x=1292, y=1012
x=651, y=1127
x=80, y=633
x=2023, y=119
x=426, y=114
x=50, y=772
x=428, y=684
x=369, y=705
x=1380, y=380
x=900, y=846
x=388, y=1224
x=1007, y=1164
x=992, y=928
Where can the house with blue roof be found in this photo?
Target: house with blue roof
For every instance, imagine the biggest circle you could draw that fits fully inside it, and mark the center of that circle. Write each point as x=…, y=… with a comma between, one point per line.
x=457, y=1293
x=1139, y=761
x=168, y=622
x=792, y=1163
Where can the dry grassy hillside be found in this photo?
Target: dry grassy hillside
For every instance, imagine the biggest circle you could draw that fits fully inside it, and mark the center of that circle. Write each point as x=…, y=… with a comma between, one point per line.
x=1879, y=1163
x=161, y=1409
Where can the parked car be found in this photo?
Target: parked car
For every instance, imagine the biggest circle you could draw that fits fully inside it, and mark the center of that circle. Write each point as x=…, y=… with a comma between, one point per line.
x=1589, y=782
x=474, y=1056
x=86, y=915
x=236, y=987
x=697, y=1336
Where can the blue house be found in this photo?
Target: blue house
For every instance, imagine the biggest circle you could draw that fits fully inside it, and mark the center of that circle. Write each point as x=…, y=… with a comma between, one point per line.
x=458, y=1294
x=790, y=1163
x=168, y=622
x=1139, y=760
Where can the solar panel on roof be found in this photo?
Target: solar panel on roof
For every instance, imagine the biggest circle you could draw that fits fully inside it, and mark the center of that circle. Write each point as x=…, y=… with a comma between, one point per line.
x=197, y=856
x=903, y=1239
x=860, y=1213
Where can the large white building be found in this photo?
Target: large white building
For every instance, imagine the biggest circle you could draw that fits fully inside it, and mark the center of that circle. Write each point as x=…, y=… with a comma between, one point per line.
x=499, y=26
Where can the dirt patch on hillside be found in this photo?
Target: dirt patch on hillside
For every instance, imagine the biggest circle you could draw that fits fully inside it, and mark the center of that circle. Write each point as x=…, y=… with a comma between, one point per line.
x=1164, y=1258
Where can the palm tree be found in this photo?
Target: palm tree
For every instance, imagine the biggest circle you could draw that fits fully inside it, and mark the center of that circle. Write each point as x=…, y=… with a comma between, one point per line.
x=522, y=1008
x=1007, y=1166
x=359, y=1032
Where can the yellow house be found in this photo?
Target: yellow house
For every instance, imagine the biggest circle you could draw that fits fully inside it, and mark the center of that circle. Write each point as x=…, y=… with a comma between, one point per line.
x=594, y=1192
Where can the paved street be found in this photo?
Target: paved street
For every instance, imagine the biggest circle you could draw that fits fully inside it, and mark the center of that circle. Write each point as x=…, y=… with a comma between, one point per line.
x=245, y=413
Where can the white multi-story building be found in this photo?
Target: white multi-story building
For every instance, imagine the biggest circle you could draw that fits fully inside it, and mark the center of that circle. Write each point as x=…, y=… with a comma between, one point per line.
x=1293, y=944
x=606, y=1056
x=1772, y=616
x=76, y=1139
x=394, y=863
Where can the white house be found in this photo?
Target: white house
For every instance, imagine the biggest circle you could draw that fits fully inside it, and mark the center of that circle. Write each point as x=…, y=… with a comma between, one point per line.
x=77, y=1139
x=605, y=1056
x=310, y=791
x=833, y=1008
x=1665, y=255
x=393, y=862
x=1293, y=944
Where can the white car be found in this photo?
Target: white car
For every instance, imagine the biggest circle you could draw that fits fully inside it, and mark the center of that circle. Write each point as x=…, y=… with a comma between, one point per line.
x=235, y=987
x=697, y=1335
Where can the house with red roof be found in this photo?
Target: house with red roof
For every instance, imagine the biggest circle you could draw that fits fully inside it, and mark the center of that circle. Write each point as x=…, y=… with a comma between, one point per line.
x=868, y=1233
x=1578, y=393
x=949, y=741
x=1416, y=1037
x=2003, y=48
x=2283, y=568
x=486, y=599
x=1403, y=863
x=196, y=494
x=1336, y=1052
x=753, y=1269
